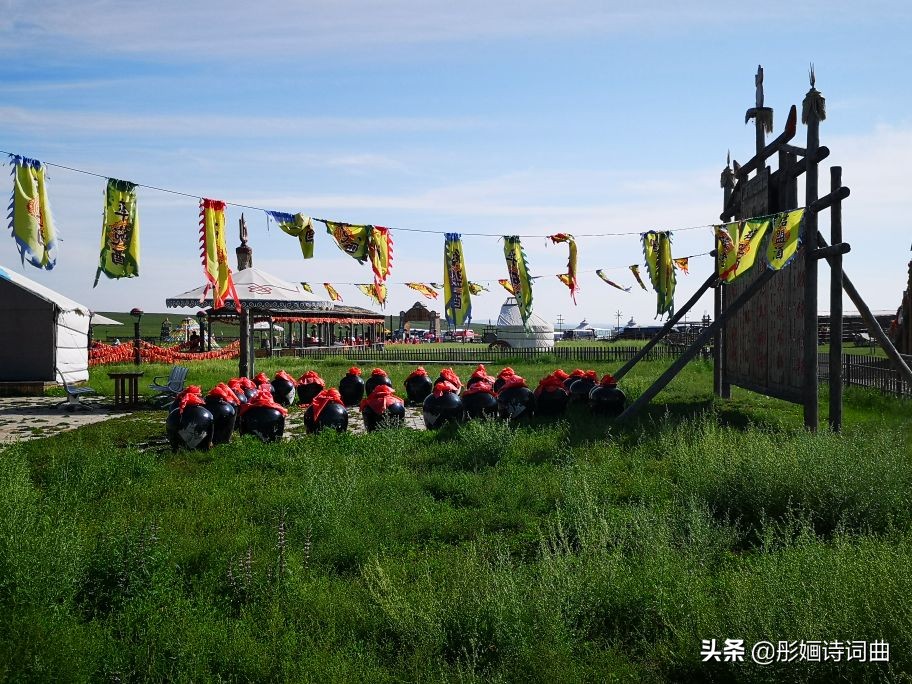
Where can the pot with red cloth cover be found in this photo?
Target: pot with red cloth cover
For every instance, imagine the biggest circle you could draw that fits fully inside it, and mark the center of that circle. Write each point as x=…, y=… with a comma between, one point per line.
x=263, y=417
x=502, y=378
x=326, y=411
x=442, y=405
x=238, y=389
x=223, y=404
x=250, y=387
x=515, y=400
x=284, y=388
x=351, y=387
x=480, y=375
x=190, y=423
x=418, y=386
x=260, y=380
x=309, y=385
x=606, y=399
x=479, y=401
x=382, y=409
x=449, y=375
x=575, y=375
x=378, y=377
x=579, y=390
x=550, y=396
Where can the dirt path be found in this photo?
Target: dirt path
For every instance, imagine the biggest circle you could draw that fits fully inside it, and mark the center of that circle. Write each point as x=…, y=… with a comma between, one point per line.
x=33, y=417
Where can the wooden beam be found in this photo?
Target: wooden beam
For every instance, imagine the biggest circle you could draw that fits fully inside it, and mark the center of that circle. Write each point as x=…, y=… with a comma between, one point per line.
x=679, y=314
x=695, y=346
x=873, y=326
x=831, y=251
x=758, y=160
x=835, y=396
x=827, y=201
x=809, y=381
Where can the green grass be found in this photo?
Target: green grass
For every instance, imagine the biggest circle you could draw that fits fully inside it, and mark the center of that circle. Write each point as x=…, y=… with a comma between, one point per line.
x=571, y=550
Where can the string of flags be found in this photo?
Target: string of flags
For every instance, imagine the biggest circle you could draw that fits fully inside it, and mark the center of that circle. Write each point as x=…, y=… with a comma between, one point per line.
x=33, y=229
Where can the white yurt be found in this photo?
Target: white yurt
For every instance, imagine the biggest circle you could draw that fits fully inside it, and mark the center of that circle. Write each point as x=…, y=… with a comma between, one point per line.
x=42, y=331
x=539, y=333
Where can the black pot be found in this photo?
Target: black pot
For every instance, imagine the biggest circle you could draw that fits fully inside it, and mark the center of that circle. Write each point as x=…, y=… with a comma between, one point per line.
x=266, y=423
x=283, y=391
x=568, y=382
x=607, y=400
x=438, y=410
x=393, y=416
x=306, y=393
x=351, y=387
x=251, y=392
x=375, y=381
x=417, y=388
x=239, y=393
x=480, y=405
x=551, y=402
x=498, y=384
x=516, y=403
x=191, y=429
x=579, y=390
x=225, y=415
x=333, y=416
x=474, y=381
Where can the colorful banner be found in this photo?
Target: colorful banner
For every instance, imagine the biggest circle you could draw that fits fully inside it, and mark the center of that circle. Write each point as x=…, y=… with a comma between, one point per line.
x=426, y=290
x=726, y=250
x=436, y=286
x=785, y=239
x=683, y=265
x=518, y=273
x=31, y=223
x=333, y=295
x=635, y=269
x=660, y=265
x=457, y=300
x=376, y=291
x=751, y=235
x=601, y=274
x=119, y=257
x=505, y=284
x=568, y=279
x=476, y=289
x=353, y=240
x=299, y=226
x=380, y=252
x=306, y=287
x=214, y=254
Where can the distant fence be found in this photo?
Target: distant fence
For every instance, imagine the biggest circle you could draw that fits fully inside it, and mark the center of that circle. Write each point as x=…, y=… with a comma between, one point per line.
x=868, y=371
x=478, y=353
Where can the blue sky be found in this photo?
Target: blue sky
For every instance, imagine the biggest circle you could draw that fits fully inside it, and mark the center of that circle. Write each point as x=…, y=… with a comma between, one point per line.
x=511, y=117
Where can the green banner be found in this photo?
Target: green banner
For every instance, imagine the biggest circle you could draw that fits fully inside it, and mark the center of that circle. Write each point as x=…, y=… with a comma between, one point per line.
x=119, y=256
x=457, y=300
x=518, y=272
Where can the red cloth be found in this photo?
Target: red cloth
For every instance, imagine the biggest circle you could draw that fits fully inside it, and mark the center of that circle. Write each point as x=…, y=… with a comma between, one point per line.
x=480, y=387
x=354, y=370
x=481, y=373
x=327, y=396
x=416, y=373
x=576, y=373
x=378, y=371
x=223, y=391
x=191, y=396
x=513, y=381
x=246, y=383
x=263, y=398
x=285, y=376
x=591, y=375
x=450, y=376
x=443, y=387
x=380, y=399
x=311, y=377
x=608, y=380
x=261, y=378
x=506, y=372
x=551, y=383
x=560, y=374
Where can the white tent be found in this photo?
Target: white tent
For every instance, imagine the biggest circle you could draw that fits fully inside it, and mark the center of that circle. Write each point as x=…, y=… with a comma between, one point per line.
x=538, y=334
x=257, y=290
x=42, y=331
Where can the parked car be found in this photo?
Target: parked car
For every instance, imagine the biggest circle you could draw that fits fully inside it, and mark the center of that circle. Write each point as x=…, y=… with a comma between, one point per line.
x=459, y=335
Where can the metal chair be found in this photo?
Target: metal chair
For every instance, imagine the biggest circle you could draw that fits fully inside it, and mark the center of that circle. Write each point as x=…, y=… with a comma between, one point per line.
x=171, y=388
x=73, y=393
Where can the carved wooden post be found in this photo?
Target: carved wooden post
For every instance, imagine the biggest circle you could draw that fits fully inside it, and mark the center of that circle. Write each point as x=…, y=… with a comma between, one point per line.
x=836, y=305
x=721, y=386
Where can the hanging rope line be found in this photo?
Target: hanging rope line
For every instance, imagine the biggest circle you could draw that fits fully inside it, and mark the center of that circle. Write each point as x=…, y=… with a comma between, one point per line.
x=397, y=229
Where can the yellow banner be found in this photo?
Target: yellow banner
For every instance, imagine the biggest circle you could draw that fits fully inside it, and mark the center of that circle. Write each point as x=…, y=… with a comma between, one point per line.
x=31, y=222
x=307, y=287
x=727, y=250
x=299, y=226
x=601, y=274
x=377, y=292
x=426, y=290
x=660, y=265
x=683, y=265
x=568, y=279
x=214, y=253
x=457, y=299
x=505, y=284
x=333, y=295
x=380, y=251
x=477, y=289
x=785, y=240
x=635, y=269
x=751, y=235
x=350, y=239
x=518, y=272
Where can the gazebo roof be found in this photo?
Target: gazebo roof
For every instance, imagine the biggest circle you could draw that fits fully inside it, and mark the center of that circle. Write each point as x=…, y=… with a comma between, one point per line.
x=258, y=291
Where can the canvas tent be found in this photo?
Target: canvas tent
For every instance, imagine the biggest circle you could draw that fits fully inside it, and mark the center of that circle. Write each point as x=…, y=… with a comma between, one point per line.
x=42, y=330
x=539, y=333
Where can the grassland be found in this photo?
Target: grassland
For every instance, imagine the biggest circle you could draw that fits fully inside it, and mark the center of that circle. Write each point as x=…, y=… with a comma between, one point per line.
x=572, y=550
